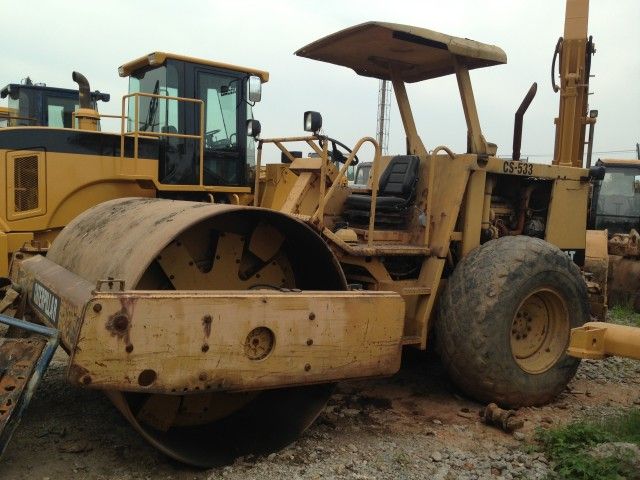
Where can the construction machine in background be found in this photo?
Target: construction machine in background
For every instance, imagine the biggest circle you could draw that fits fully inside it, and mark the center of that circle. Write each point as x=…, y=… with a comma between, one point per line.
x=37, y=105
x=615, y=212
x=216, y=301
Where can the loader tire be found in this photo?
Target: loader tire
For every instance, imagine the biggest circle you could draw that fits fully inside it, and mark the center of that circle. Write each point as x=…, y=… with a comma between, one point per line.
x=504, y=321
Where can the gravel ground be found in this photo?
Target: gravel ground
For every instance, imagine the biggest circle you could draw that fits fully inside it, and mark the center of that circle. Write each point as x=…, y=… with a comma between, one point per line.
x=410, y=426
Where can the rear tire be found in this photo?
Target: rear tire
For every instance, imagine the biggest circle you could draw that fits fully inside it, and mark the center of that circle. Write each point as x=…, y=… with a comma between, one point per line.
x=504, y=321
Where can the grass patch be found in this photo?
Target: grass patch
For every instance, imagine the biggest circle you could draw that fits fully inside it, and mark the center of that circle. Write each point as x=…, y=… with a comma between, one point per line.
x=568, y=448
x=624, y=315
x=402, y=458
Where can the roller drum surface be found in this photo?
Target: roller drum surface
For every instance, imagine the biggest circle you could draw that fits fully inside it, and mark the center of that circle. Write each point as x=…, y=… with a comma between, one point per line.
x=154, y=244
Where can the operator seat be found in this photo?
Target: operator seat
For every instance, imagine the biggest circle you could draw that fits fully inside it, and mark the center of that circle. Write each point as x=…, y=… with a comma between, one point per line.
x=396, y=192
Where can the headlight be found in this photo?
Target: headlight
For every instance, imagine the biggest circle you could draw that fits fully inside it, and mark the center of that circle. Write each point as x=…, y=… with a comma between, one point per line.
x=312, y=121
x=253, y=128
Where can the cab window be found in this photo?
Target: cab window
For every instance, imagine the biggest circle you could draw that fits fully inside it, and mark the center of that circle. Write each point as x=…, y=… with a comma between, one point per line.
x=222, y=95
x=618, y=200
x=59, y=111
x=155, y=114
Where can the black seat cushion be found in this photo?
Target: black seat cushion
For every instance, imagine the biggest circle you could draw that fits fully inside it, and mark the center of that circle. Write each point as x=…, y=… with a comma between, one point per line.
x=383, y=204
x=397, y=188
x=400, y=177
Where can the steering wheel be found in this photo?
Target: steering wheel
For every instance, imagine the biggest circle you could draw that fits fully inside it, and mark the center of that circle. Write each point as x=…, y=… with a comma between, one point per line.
x=208, y=136
x=337, y=155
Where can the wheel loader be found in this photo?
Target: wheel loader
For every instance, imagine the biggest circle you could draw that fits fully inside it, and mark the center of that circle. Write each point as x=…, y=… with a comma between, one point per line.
x=216, y=300
x=36, y=104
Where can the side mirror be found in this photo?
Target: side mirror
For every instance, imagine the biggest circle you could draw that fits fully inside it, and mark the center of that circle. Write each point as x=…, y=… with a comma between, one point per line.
x=312, y=122
x=255, y=89
x=253, y=128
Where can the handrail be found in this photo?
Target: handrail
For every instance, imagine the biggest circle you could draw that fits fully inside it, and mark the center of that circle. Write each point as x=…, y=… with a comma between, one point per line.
x=278, y=141
x=324, y=197
x=10, y=116
x=136, y=133
x=375, y=180
x=107, y=115
x=430, y=187
x=317, y=217
x=444, y=148
x=100, y=116
x=256, y=180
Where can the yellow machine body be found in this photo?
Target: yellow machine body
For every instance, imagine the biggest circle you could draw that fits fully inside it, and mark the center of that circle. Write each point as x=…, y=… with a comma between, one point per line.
x=598, y=340
x=216, y=313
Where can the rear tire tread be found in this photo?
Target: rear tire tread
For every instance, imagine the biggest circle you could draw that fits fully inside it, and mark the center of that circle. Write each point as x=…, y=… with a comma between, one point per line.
x=475, y=295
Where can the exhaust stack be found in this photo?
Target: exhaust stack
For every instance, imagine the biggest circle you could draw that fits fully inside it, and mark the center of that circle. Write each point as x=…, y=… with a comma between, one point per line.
x=87, y=117
x=517, y=124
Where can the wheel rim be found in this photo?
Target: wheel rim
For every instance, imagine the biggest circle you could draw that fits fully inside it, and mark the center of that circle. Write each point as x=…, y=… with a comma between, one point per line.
x=540, y=331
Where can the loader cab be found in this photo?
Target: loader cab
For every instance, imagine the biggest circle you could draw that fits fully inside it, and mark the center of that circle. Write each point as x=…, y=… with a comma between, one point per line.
x=616, y=198
x=196, y=109
x=36, y=105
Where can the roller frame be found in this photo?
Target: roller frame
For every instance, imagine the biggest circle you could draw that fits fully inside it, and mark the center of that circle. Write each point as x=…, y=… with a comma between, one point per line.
x=194, y=341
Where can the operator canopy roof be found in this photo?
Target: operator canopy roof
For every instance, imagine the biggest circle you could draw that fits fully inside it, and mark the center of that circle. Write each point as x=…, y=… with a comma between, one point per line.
x=159, y=58
x=419, y=54
x=618, y=162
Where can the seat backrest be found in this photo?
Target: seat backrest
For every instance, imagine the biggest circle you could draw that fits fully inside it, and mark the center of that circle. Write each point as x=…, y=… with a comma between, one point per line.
x=168, y=129
x=400, y=177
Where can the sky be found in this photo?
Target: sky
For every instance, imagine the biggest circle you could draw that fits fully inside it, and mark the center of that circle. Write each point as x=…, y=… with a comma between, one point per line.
x=51, y=39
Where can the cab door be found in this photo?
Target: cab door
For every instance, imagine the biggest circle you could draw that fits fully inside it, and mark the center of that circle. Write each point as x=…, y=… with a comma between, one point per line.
x=224, y=137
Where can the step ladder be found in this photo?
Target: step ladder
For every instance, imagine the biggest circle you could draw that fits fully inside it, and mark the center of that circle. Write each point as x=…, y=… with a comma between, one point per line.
x=23, y=362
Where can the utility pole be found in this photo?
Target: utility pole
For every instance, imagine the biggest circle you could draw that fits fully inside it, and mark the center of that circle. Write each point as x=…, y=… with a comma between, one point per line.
x=382, y=130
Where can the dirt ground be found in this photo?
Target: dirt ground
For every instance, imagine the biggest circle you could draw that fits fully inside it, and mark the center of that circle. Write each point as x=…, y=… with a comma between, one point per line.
x=412, y=425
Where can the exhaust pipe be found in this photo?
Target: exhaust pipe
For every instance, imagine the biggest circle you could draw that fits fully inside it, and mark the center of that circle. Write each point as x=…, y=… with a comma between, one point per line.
x=517, y=124
x=87, y=117
x=84, y=89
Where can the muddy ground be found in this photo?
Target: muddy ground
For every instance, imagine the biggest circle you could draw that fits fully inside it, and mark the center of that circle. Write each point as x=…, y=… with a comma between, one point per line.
x=412, y=425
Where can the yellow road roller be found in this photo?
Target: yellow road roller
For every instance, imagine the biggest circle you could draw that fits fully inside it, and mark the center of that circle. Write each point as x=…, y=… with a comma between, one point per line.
x=217, y=300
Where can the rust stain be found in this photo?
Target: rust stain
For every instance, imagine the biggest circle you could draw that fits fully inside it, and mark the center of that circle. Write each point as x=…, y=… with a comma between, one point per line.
x=206, y=323
x=77, y=373
x=17, y=360
x=119, y=323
